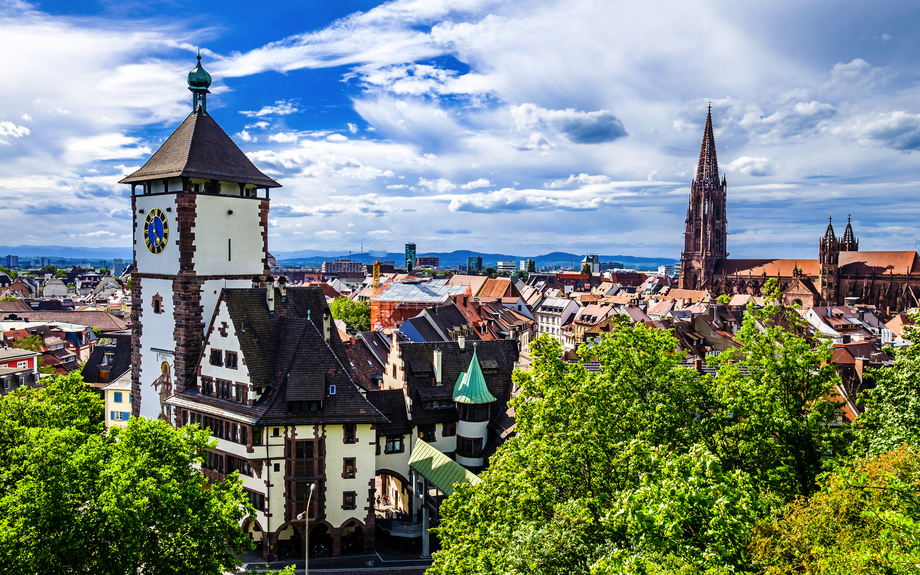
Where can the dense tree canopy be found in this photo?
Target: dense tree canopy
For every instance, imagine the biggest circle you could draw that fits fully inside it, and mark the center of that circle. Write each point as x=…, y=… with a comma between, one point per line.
x=653, y=467
x=355, y=314
x=77, y=498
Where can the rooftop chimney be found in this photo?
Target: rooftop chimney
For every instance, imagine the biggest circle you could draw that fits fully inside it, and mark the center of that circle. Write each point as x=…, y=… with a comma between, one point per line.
x=270, y=296
x=461, y=341
x=436, y=360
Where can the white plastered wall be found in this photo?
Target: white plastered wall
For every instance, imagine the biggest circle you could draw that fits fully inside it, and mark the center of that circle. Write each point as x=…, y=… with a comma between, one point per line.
x=364, y=452
x=157, y=335
x=215, y=225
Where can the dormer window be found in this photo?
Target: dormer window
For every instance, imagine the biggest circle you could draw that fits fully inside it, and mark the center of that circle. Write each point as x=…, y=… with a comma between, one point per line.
x=217, y=357
x=230, y=360
x=304, y=407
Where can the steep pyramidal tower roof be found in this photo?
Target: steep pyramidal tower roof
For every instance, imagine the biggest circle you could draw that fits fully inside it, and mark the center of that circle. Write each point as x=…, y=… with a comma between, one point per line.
x=708, y=168
x=829, y=233
x=199, y=148
x=848, y=236
x=471, y=385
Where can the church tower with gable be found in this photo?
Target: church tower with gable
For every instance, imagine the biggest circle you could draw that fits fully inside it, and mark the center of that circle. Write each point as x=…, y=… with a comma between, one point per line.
x=200, y=210
x=705, y=238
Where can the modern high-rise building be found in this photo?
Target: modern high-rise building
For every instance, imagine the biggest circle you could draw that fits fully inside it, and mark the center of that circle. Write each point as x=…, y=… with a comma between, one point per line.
x=410, y=257
x=474, y=263
x=529, y=266
x=427, y=262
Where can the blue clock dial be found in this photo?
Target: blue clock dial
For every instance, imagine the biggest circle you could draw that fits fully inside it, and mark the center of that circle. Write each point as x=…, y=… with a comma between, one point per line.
x=156, y=231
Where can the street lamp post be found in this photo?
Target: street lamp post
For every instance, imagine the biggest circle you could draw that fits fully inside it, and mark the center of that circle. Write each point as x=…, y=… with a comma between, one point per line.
x=306, y=531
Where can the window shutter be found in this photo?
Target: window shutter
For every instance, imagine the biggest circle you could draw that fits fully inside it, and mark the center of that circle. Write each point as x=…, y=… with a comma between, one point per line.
x=125, y=415
x=113, y=416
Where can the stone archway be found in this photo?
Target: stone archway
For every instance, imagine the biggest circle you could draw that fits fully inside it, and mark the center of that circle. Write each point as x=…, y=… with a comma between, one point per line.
x=392, y=495
x=351, y=538
x=252, y=528
x=321, y=540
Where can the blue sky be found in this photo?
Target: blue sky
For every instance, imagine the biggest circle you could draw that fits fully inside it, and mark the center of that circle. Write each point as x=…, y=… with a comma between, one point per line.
x=516, y=127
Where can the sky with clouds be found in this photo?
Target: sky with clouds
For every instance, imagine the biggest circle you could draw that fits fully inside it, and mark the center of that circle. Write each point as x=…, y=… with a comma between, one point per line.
x=497, y=126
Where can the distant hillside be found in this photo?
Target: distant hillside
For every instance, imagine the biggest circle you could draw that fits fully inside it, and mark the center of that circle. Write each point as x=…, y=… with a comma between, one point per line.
x=70, y=252
x=459, y=257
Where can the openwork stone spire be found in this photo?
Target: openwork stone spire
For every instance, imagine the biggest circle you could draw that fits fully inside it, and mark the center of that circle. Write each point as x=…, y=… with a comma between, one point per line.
x=707, y=170
x=850, y=243
x=706, y=235
x=829, y=233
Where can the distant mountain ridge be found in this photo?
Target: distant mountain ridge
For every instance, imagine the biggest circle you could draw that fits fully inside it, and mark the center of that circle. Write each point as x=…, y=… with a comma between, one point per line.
x=459, y=257
x=68, y=252
x=304, y=257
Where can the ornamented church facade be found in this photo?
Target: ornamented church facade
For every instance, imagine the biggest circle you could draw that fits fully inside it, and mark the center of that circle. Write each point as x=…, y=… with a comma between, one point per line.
x=889, y=280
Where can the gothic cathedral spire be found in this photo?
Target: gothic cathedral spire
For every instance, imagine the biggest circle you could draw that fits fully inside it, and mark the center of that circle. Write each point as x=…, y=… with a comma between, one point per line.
x=705, y=238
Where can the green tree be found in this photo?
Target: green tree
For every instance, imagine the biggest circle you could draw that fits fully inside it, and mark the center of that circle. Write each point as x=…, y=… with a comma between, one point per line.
x=13, y=275
x=8, y=298
x=76, y=498
x=865, y=519
x=48, y=270
x=771, y=412
x=60, y=274
x=892, y=415
x=33, y=342
x=355, y=314
x=489, y=270
x=724, y=299
x=586, y=268
x=602, y=475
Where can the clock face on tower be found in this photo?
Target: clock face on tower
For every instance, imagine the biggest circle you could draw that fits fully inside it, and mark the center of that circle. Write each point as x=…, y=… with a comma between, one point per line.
x=156, y=230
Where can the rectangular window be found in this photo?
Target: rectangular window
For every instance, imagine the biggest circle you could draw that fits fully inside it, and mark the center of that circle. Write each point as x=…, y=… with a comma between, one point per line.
x=207, y=386
x=394, y=444
x=257, y=500
x=303, y=450
x=216, y=357
x=349, y=500
x=223, y=389
x=230, y=360
x=239, y=393
x=349, y=435
x=257, y=436
x=348, y=471
x=469, y=447
x=426, y=432
x=22, y=364
x=103, y=375
x=449, y=430
x=117, y=398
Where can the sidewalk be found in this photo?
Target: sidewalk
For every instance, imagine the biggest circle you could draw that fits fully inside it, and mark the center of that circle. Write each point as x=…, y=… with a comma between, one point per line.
x=345, y=564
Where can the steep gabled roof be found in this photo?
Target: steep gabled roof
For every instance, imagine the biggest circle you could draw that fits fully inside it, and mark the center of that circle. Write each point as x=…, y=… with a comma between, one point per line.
x=286, y=353
x=199, y=148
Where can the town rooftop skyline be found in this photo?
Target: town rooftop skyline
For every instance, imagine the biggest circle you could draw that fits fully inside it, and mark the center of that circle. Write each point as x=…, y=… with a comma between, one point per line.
x=535, y=127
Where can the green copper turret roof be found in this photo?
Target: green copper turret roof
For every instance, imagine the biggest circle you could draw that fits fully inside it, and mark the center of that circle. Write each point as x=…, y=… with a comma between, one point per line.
x=471, y=385
x=198, y=78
